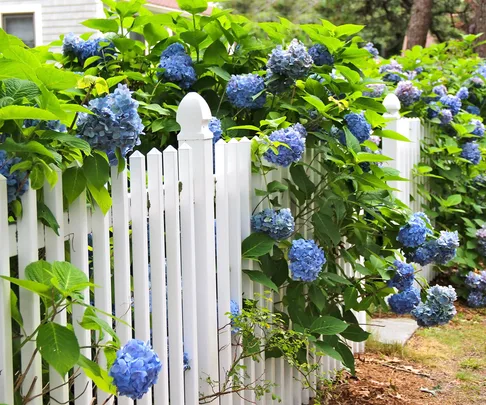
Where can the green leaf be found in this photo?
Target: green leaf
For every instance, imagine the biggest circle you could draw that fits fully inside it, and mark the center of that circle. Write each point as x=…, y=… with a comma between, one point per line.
x=347, y=355
x=328, y=350
x=96, y=170
x=215, y=54
x=326, y=229
x=301, y=180
x=317, y=297
x=328, y=325
x=387, y=133
x=19, y=112
x=102, y=198
x=452, y=200
x=276, y=187
x=99, y=376
x=335, y=278
x=154, y=33
x=59, y=346
x=261, y=278
x=19, y=89
x=219, y=71
x=355, y=333
x=370, y=104
x=68, y=277
x=14, y=309
x=92, y=322
x=250, y=127
x=193, y=6
x=38, y=288
x=194, y=38
x=45, y=215
x=57, y=79
x=350, y=297
x=371, y=157
x=102, y=24
x=256, y=245
x=351, y=141
x=73, y=183
x=350, y=75
x=348, y=29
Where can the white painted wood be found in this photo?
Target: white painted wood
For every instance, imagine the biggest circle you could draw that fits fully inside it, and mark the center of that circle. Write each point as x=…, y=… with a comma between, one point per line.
x=158, y=273
x=121, y=256
x=174, y=280
x=189, y=292
x=6, y=365
x=78, y=217
x=193, y=116
x=223, y=267
x=55, y=252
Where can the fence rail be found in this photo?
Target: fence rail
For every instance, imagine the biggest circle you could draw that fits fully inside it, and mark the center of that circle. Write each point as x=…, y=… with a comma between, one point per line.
x=178, y=300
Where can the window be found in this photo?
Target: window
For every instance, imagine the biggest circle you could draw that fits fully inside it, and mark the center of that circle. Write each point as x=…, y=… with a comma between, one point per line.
x=20, y=25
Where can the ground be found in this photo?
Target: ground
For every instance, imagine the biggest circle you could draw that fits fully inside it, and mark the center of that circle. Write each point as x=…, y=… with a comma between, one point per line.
x=444, y=365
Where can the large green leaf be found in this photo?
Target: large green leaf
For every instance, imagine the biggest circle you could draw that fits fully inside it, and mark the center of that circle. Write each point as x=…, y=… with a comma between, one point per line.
x=38, y=288
x=355, y=333
x=256, y=245
x=99, y=376
x=58, y=346
x=102, y=197
x=19, y=89
x=193, y=6
x=40, y=272
x=301, y=180
x=57, y=79
x=14, y=309
x=328, y=325
x=326, y=229
x=73, y=183
x=261, y=278
x=45, y=215
x=102, y=24
x=216, y=54
x=92, y=322
x=20, y=112
x=347, y=355
x=96, y=170
x=328, y=350
x=69, y=278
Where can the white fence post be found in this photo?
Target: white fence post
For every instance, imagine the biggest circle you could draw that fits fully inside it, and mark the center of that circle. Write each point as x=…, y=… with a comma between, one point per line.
x=6, y=364
x=193, y=116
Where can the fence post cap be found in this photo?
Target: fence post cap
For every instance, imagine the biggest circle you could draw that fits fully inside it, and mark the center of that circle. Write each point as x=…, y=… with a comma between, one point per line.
x=392, y=104
x=193, y=116
x=154, y=151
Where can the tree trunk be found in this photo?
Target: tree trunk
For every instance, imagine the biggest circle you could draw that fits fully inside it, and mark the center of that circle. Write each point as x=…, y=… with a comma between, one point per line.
x=419, y=24
x=478, y=24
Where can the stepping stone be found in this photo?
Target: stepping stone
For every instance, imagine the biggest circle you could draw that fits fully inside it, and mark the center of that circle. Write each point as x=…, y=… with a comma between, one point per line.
x=393, y=330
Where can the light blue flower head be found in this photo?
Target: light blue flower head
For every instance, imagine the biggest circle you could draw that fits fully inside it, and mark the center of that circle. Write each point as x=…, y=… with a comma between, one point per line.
x=321, y=55
x=415, y=231
x=453, y=103
x=278, y=225
x=358, y=126
x=440, y=90
x=405, y=301
x=471, y=152
x=438, y=309
x=286, y=154
x=306, y=260
x=178, y=66
x=463, y=93
x=476, y=299
x=17, y=183
x=241, y=90
x=370, y=47
x=445, y=116
x=478, y=127
x=293, y=62
x=407, y=93
x=404, y=276
x=377, y=90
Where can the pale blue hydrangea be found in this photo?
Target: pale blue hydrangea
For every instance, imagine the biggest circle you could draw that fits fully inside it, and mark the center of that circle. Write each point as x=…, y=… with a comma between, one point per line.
x=294, y=62
x=215, y=127
x=278, y=225
x=463, y=93
x=135, y=370
x=445, y=116
x=433, y=110
x=52, y=125
x=415, y=231
x=17, y=183
x=439, y=307
x=481, y=240
x=405, y=301
x=370, y=47
x=411, y=74
x=377, y=90
x=476, y=281
x=300, y=129
x=477, y=82
x=479, y=180
x=407, y=93
x=178, y=66
x=478, y=127
x=471, y=152
x=425, y=254
x=440, y=90
x=321, y=55
x=476, y=299
x=114, y=124
x=419, y=69
x=404, y=276
x=391, y=72
x=482, y=70
x=242, y=88
x=358, y=126
x=447, y=243
x=234, y=311
x=453, y=103
x=186, y=361
x=286, y=155
x=76, y=47
x=472, y=109
x=305, y=260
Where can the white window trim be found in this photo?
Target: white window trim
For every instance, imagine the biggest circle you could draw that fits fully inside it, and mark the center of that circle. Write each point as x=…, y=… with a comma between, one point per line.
x=35, y=8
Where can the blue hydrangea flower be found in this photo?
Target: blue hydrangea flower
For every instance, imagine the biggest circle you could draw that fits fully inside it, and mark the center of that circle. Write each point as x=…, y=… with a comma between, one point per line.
x=411, y=74
x=52, y=125
x=419, y=69
x=479, y=127
x=425, y=254
x=471, y=152
x=17, y=183
x=321, y=55
x=479, y=180
x=234, y=311
x=481, y=240
x=445, y=116
x=407, y=93
x=405, y=301
x=463, y=93
x=358, y=126
x=482, y=70
x=439, y=307
x=440, y=90
x=375, y=139
x=404, y=276
x=476, y=299
x=447, y=243
x=370, y=47
x=76, y=47
x=136, y=369
x=306, y=260
x=476, y=281
x=294, y=62
x=178, y=66
x=278, y=225
x=477, y=82
x=300, y=129
x=377, y=90
x=186, y=362
x=433, y=110
x=453, y=103
x=277, y=84
x=391, y=72
x=415, y=231
x=215, y=128
x=472, y=109
x=114, y=124
x=242, y=88
x=286, y=155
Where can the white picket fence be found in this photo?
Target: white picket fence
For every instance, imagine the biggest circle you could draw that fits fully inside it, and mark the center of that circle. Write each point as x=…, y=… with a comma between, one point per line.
x=180, y=202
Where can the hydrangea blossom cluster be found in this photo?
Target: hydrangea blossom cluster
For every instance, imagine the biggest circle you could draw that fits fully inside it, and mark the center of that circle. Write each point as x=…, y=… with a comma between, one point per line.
x=439, y=307
x=76, y=47
x=215, y=127
x=358, y=126
x=52, y=125
x=178, y=66
x=375, y=139
x=463, y=93
x=17, y=183
x=415, y=231
x=445, y=116
x=481, y=240
x=407, y=93
x=404, y=276
x=440, y=90
x=478, y=127
x=292, y=137
x=404, y=302
x=234, y=311
x=452, y=103
x=471, y=152
x=306, y=260
x=472, y=109
x=377, y=90
x=370, y=47
x=392, y=71
x=477, y=82
x=277, y=84
x=186, y=362
x=321, y=55
x=440, y=251
x=294, y=62
x=242, y=88
x=278, y=225
x=114, y=124
x=136, y=369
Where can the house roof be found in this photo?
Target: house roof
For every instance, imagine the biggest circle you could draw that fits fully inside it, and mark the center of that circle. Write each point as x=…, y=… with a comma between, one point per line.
x=171, y=4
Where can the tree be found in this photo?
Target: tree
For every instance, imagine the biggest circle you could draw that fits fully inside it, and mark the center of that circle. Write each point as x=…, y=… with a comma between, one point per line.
x=478, y=23
x=419, y=24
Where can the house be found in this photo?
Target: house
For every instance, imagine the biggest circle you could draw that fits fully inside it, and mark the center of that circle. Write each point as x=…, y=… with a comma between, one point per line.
x=39, y=22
